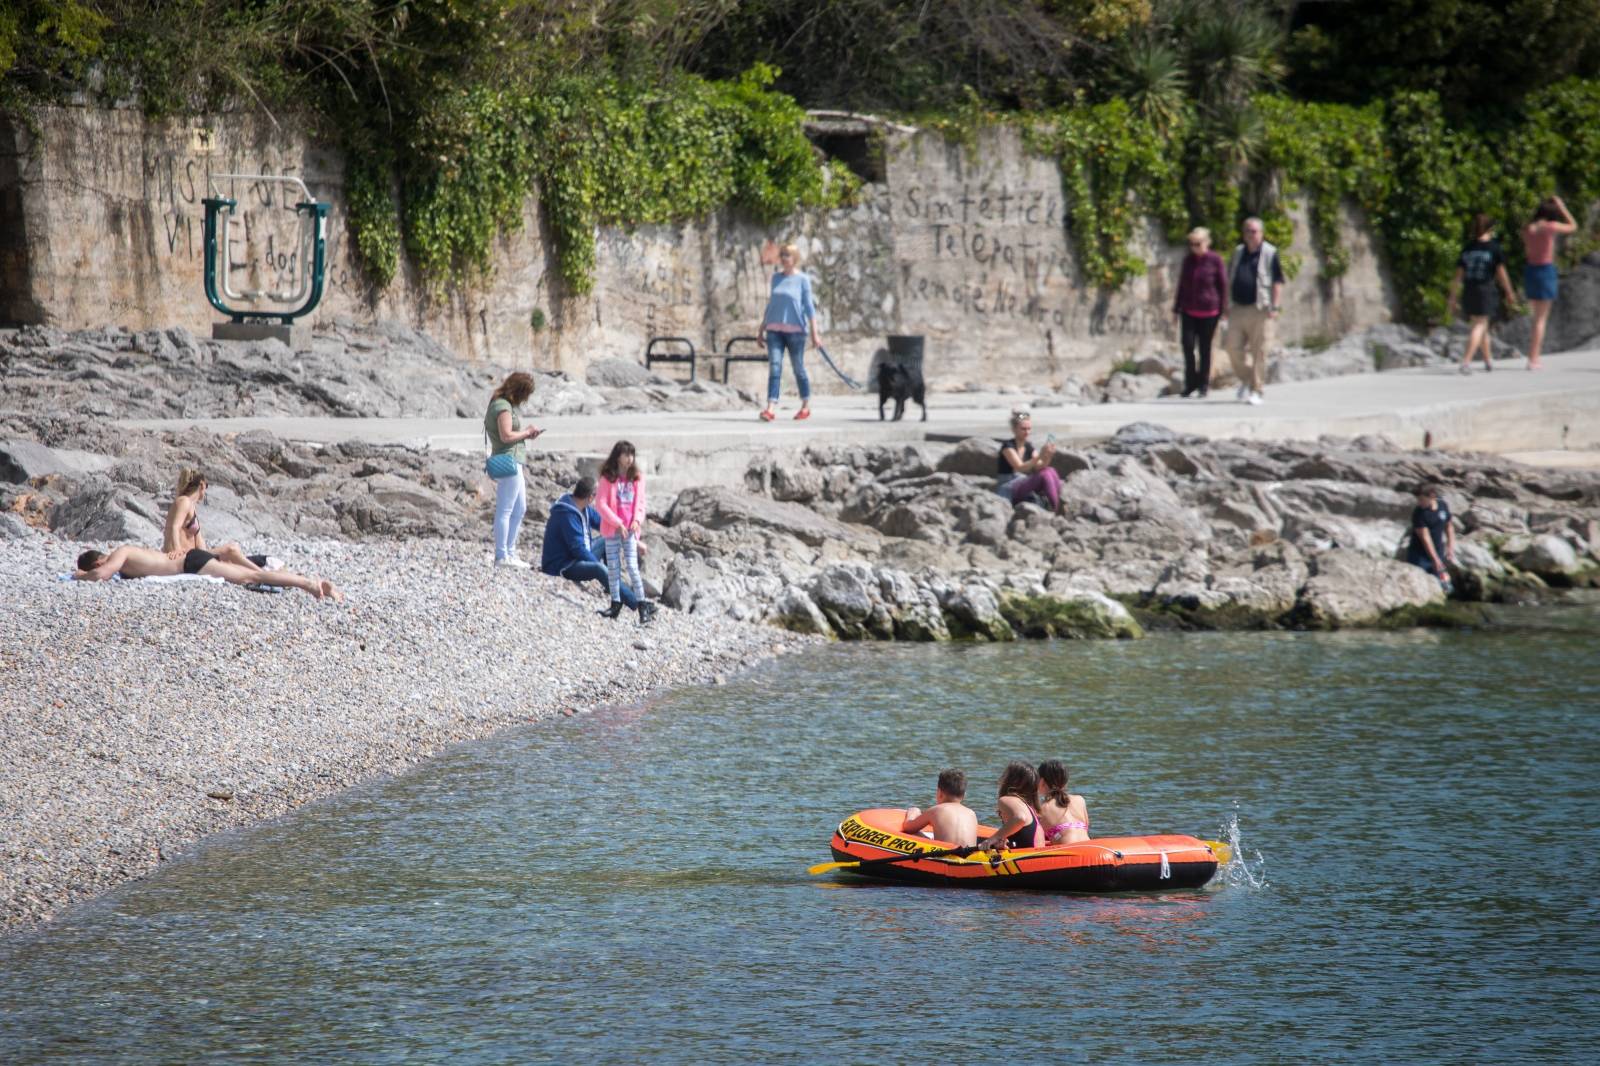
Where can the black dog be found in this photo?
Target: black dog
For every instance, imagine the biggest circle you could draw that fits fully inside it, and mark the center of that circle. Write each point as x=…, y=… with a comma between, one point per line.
x=900, y=384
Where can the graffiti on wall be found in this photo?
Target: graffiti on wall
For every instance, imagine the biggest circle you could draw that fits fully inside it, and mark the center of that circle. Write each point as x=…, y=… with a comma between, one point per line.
x=263, y=248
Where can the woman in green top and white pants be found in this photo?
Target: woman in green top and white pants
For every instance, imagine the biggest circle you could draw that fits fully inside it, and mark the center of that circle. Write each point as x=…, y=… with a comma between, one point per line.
x=502, y=425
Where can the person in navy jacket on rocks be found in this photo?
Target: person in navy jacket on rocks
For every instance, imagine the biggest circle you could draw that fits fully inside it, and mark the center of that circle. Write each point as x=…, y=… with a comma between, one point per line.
x=1433, y=536
x=570, y=534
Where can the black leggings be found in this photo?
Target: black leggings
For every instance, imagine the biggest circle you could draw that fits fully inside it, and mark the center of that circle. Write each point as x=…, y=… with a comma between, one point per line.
x=1197, y=331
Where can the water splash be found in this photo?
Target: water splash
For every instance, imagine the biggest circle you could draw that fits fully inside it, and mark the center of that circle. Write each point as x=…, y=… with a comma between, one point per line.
x=1246, y=869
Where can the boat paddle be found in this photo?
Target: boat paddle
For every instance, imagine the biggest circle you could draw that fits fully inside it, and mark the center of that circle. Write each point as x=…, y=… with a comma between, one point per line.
x=824, y=867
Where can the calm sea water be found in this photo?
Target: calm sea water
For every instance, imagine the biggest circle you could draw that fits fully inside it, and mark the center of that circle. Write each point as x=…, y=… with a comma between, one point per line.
x=1417, y=809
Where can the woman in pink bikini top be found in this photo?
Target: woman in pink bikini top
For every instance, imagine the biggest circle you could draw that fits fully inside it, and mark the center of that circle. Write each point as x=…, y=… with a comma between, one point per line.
x=1063, y=817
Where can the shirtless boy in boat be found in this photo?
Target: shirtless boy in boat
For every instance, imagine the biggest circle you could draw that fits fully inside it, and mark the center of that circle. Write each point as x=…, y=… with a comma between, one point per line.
x=948, y=819
x=132, y=561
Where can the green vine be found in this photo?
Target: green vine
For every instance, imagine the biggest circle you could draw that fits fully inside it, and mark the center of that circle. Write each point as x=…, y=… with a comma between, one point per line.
x=1116, y=168
x=598, y=152
x=1416, y=177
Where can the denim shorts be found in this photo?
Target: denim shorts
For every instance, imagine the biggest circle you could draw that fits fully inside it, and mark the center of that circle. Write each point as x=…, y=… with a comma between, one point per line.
x=1539, y=282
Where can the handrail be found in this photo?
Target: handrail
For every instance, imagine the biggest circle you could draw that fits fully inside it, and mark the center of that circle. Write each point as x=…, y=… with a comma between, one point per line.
x=651, y=357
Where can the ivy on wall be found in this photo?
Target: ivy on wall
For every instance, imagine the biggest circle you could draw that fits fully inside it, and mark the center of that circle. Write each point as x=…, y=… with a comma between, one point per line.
x=1416, y=177
x=599, y=152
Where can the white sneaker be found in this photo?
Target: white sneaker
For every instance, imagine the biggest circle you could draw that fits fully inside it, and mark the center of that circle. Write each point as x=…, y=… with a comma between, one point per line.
x=1255, y=399
x=1243, y=393
x=514, y=564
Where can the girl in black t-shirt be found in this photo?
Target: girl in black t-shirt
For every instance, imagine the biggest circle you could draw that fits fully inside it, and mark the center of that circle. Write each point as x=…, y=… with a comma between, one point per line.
x=1480, y=267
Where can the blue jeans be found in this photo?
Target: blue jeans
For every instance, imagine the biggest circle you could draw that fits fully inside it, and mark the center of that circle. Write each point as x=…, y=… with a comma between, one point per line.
x=796, y=345
x=581, y=572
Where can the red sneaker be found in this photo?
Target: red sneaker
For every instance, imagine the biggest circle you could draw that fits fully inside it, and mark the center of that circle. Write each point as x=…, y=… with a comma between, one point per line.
x=802, y=414
x=767, y=416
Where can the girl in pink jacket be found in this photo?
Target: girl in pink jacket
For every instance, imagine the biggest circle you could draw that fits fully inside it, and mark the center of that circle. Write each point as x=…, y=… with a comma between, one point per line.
x=620, y=500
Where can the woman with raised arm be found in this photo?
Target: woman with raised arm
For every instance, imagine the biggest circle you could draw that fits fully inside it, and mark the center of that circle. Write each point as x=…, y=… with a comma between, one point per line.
x=1539, y=282
x=1024, y=472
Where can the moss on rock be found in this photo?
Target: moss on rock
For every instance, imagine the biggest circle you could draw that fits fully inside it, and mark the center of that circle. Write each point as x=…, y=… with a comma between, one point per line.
x=1086, y=617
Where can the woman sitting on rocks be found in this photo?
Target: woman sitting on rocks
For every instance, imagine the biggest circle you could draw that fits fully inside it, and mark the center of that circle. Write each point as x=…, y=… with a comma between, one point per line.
x=132, y=561
x=1024, y=473
x=182, y=534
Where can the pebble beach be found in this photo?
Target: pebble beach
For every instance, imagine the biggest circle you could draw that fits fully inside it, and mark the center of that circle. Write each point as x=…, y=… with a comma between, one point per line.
x=137, y=718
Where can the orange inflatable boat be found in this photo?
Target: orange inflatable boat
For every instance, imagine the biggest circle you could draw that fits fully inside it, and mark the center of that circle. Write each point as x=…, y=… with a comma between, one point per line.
x=1105, y=864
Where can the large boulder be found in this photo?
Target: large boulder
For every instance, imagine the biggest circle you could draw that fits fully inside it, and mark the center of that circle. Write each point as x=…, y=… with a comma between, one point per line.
x=971, y=609
x=557, y=394
x=724, y=508
x=1478, y=572
x=23, y=460
x=1348, y=588
x=1256, y=588
x=796, y=610
x=1134, y=388
x=1348, y=357
x=847, y=595
x=717, y=587
x=1311, y=497
x=1080, y=616
x=913, y=607
x=975, y=456
x=618, y=374
x=1315, y=533
x=104, y=513
x=1548, y=556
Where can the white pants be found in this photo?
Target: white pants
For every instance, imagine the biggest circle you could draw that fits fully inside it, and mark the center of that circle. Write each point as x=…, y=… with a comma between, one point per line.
x=510, y=504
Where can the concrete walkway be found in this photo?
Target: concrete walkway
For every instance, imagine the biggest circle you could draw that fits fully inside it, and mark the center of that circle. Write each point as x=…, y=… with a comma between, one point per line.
x=1508, y=411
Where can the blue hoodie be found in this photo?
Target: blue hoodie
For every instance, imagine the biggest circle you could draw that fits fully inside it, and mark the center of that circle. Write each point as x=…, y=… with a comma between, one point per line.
x=567, y=536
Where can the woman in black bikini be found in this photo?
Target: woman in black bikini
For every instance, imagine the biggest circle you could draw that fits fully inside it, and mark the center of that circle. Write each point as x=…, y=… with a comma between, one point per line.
x=1019, y=822
x=181, y=538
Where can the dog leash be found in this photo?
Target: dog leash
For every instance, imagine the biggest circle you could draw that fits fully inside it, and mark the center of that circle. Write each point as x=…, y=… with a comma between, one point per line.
x=846, y=378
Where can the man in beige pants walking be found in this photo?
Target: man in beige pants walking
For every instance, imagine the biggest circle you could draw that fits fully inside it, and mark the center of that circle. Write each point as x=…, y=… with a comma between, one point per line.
x=1255, y=283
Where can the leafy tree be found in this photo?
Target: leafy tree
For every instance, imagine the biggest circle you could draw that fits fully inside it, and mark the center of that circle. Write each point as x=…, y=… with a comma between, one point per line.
x=1473, y=53
x=916, y=55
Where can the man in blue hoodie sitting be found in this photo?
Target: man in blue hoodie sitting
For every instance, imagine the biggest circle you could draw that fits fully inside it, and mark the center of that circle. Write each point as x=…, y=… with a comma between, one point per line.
x=570, y=536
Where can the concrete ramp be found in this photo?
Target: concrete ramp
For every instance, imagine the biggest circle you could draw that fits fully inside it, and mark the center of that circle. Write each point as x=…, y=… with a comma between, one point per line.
x=1510, y=410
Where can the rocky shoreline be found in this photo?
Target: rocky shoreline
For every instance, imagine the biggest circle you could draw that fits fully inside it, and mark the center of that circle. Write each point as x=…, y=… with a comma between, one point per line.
x=912, y=543
x=136, y=718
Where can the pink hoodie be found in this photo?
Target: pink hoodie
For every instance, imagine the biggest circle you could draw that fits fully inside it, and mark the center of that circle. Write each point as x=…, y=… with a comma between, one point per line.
x=619, y=503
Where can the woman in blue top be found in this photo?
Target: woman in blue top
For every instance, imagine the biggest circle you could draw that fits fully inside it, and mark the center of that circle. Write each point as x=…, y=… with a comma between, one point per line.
x=791, y=311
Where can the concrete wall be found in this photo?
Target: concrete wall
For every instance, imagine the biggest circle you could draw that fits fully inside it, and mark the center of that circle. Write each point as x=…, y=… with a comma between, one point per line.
x=101, y=220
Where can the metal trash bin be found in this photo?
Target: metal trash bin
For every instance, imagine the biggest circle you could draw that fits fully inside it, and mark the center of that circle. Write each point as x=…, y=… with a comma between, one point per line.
x=905, y=351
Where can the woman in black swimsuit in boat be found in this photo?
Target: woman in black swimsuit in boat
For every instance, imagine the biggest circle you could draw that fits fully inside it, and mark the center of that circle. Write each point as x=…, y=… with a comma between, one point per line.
x=1019, y=822
x=182, y=534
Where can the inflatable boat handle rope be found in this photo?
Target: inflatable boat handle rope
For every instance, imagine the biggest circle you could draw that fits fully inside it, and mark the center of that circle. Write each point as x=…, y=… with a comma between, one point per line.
x=1222, y=851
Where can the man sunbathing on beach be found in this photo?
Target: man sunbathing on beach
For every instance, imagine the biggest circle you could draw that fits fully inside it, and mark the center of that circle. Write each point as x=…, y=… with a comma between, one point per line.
x=948, y=819
x=132, y=561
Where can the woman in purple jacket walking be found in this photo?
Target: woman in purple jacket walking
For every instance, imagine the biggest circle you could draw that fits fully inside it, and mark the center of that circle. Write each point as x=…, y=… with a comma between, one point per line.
x=1202, y=294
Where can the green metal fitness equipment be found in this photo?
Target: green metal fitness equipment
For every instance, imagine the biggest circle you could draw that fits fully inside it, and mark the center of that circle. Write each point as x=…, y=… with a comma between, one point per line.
x=310, y=259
